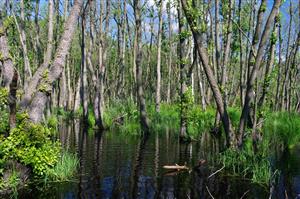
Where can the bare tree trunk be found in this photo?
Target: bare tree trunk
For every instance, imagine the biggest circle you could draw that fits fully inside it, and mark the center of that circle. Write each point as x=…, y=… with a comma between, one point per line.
x=217, y=41
x=230, y=137
x=269, y=66
x=37, y=36
x=77, y=95
x=258, y=60
x=158, y=66
x=84, y=86
x=277, y=97
x=170, y=52
x=227, y=49
x=242, y=97
x=287, y=63
x=47, y=58
x=202, y=93
x=39, y=100
x=138, y=49
x=27, y=69
x=183, y=87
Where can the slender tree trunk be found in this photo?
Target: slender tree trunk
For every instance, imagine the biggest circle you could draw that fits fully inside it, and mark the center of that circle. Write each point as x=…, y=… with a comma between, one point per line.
x=158, y=66
x=242, y=97
x=269, y=66
x=217, y=41
x=84, y=86
x=277, y=97
x=200, y=80
x=230, y=137
x=170, y=52
x=27, y=69
x=138, y=49
x=257, y=63
x=183, y=87
x=37, y=36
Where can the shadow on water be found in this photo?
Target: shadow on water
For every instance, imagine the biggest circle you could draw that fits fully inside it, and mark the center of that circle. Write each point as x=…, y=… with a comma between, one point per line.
x=115, y=165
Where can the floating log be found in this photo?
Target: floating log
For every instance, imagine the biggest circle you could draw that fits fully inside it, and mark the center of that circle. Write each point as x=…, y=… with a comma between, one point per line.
x=176, y=167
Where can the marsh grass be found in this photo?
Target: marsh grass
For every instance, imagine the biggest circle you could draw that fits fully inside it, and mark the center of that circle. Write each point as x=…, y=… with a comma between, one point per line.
x=282, y=128
x=65, y=168
x=247, y=165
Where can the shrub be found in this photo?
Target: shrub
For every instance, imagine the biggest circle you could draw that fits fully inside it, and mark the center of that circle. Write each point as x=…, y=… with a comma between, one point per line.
x=31, y=145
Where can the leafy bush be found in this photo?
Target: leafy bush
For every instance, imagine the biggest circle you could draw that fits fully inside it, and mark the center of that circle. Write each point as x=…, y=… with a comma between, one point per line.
x=31, y=145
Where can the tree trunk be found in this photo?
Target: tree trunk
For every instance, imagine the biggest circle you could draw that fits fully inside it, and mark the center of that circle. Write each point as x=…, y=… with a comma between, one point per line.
x=158, y=66
x=183, y=87
x=170, y=52
x=27, y=69
x=258, y=59
x=34, y=81
x=39, y=100
x=83, y=72
x=144, y=120
x=230, y=137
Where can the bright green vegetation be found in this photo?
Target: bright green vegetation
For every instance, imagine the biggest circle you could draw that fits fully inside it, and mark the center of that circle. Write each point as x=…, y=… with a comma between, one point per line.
x=35, y=146
x=280, y=131
x=65, y=168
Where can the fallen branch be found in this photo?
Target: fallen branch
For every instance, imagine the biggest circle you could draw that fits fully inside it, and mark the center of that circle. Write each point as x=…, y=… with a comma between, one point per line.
x=209, y=193
x=244, y=194
x=216, y=172
x=176, y=167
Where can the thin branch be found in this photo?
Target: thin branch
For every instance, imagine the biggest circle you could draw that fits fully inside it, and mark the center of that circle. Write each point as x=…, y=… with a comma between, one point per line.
x=245, y=35
x=216, y=172
x=209, y=193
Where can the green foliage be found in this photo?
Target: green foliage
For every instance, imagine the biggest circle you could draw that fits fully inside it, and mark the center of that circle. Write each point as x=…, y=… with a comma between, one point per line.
x=8, y=22
x=282, y=128
x=11, y=183
x=91, y=118
x=31, y=145
x=4, y=125
x=52, y=123
x=273, y=38
x=65, y=168
x=246, y=164
x=200, y=121
x=263, y=7
x=3, y=96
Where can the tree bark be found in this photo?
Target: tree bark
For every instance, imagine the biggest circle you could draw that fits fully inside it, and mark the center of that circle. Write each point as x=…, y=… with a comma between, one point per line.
x=221, y=106
x=158, y=66
x=144, y=120
x=34, y=81
x=170, y=52
x=39, y=100
x=258, y=59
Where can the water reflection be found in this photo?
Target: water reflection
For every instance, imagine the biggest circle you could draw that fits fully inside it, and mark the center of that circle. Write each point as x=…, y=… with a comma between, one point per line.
x=114, y=165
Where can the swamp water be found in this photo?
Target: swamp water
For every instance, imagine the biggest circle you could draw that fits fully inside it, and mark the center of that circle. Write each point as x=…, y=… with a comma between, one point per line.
x=115, y=165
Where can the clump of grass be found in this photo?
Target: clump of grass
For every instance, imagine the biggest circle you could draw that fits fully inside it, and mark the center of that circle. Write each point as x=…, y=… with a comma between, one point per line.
x=255, y=167
x=282, y=128
x=65, y=168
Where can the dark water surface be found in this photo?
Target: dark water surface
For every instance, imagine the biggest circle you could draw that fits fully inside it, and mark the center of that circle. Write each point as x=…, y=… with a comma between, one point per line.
x=114, y=165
